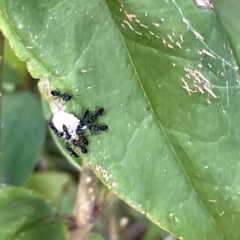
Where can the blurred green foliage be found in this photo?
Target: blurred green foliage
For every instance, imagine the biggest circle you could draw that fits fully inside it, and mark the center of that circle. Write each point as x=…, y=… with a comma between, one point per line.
x=146, y=80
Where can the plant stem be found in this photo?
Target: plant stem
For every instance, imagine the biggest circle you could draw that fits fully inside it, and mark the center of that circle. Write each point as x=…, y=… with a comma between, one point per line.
x=112, y=228
x=87, y=207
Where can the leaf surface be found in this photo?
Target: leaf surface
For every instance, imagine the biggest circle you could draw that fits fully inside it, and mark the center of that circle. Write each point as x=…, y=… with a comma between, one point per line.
x=23, y=132
x=26, y=216
x=229, y=13
x=14, y=70
x=167, y=78
x=64, y=194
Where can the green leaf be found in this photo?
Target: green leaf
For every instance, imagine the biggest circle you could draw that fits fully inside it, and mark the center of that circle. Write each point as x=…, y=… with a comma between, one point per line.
x=166, y=75
x=153, y=232
x=229, y=13
x=23, y=132
x=64, y=194
x=95, y=236
x=13, y=70
x=25, y=216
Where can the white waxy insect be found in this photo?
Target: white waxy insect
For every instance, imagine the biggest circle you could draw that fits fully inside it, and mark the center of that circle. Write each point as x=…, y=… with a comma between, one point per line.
x=61, y=118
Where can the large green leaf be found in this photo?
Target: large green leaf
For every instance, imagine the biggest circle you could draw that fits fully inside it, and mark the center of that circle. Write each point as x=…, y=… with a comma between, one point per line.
x=23, y=132
x=165, y=74
x=26, y=216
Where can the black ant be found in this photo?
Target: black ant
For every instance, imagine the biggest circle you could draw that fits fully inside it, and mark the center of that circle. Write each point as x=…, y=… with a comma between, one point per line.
x=85, y=141
x=95, y=128
x=67, y=134
x=79, y=132
x=77, y=144
x=68, y=147
x=84, y=119
x=85, y=115
x=83, y=150
x=94, y=117
x=100, y=112
x=65, y=96
x=55, y=130
x=103, y=127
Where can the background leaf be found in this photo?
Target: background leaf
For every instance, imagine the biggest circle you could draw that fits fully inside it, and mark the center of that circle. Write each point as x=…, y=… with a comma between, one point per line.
x=229, y=13
x=167, y=78
x=24, y=215
x=64, y=194
x=13, y=69
x=23, y=132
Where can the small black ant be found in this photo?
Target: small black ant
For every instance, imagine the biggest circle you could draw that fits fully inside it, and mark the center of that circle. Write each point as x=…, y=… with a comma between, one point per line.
x=56, y=132
x=94, y=117
x=67, y=134
x=65, y=96
x=83, y=150
x=103, y=128
x=68, y=147
x=85, y=115
x=79, y=132
x=84, y=119
x=77, y=144
x=95, y=128
x=100, y=112
x=85, y=141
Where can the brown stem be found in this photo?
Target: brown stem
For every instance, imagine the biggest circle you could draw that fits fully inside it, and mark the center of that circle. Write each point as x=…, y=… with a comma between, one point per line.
x=112, y=228
x=87, y=207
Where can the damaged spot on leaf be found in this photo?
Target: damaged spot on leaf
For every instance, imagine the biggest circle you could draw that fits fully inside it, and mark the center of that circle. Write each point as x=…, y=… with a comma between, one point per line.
x=204, y=4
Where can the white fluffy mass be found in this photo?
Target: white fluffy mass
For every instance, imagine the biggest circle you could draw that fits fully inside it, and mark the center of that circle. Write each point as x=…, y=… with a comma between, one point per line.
x=60, y=117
